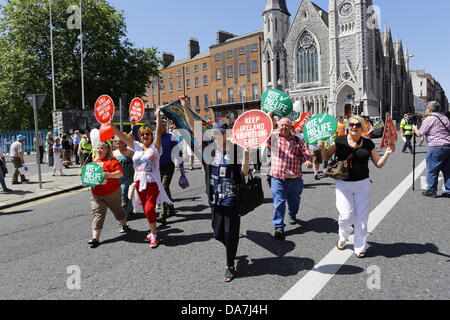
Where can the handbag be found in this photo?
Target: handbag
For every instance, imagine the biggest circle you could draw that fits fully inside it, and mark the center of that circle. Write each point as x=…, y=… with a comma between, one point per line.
x=131, y=191
x=4, y=168
x=339, y=170
x=183, y=182
x=249, y=195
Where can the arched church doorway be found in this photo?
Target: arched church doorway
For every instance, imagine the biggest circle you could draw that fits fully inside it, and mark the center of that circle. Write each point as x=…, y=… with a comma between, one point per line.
x=346, y=101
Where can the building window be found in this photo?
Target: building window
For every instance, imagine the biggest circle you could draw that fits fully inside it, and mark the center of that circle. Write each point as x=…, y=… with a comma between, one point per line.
x=242, y=50
x=230, y=53
x=205, y=66
x=196, y=68
x=188, y=70
x=230, y=71
x=230, y=95
x=170, y=75
x=162, y=77
x=254, y=47
x=219, y=96
x=255, y=92
x=217, y=56
x=254, y=66
x=241, y=69
x=218, y=74
x=179, y=85
x=197, y=102
x=242, y=94
x=196, y=82
x=170, y=87
x=205, y=80
x=188, y=83
x=205, y=101
x=307, y=60
x=178, y=73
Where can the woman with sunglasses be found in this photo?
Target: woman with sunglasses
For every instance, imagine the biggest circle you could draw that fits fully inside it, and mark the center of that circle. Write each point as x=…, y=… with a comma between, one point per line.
x=353, y=195
x=146, y=172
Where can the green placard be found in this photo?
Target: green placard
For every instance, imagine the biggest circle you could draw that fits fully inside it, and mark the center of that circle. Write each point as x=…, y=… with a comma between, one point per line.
x=92, y=175
x=278, y=102
x=319, y=127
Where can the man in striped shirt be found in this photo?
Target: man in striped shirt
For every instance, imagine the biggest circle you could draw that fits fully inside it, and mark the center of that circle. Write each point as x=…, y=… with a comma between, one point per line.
x=436, y=130
x=288, y=152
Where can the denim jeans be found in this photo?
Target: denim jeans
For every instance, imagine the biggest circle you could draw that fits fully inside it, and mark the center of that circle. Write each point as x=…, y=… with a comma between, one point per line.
x=438, y=159
x=282, y=191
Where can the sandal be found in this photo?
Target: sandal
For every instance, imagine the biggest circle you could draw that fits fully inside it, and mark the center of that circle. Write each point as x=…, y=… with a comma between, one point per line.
x=340, y=246
x=94, y=243
x=361, y=255
x=125, y=229
x=230, y=274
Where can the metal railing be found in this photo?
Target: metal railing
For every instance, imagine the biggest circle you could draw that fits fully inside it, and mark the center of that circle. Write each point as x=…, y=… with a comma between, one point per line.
x=7, y=138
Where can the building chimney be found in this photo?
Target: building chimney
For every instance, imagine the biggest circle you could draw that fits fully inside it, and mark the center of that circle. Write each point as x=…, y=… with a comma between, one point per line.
x=223, y=36
x=193, y=48
x=168, y=58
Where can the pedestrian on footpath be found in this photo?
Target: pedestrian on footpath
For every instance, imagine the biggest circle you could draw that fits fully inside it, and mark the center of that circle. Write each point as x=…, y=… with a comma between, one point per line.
x=353, y=195
x=57, y=155
x=222, y=175
x=16, y=154
x=107, y=195
x=317, y=160
x=167, y=169
x=147, y=177
x=67, y=161
x=288, y=152
x=125, y=157
x=3, y=170
x=38, y=145
x=86, y=149
x=436, y=130
x=76, y=140
x=49, y=141
x=406, y=127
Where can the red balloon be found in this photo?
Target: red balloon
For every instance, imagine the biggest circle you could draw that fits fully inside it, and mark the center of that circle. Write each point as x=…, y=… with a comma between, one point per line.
x=106, y=132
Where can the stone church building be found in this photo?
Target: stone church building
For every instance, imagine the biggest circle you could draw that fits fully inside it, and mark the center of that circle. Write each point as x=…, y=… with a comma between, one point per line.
x=336, y=61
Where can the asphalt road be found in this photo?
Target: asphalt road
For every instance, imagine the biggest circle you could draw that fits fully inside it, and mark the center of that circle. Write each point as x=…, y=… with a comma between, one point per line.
x=410, y=249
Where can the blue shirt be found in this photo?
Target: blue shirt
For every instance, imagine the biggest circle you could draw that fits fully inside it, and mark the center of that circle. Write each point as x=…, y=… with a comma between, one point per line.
x=167, y=145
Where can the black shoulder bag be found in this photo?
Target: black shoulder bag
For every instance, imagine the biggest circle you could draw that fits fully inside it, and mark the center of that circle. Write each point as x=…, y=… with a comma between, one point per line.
x=249, y=194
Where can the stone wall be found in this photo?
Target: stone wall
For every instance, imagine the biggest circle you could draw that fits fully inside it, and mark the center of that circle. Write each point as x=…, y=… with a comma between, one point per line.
x=70, y=120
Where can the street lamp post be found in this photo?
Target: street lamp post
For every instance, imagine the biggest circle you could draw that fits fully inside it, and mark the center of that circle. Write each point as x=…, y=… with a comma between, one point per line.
x=52, y=57
x=81, y=50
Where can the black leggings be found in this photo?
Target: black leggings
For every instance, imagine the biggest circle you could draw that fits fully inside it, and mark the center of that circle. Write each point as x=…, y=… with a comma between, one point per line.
x=226, y=224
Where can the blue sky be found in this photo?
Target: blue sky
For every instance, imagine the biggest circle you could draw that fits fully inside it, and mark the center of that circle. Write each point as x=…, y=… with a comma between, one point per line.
x=424, y=26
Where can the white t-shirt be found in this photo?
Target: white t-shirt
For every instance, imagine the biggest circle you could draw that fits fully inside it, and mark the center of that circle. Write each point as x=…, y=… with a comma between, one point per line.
x=147, y=161
x=15, y=149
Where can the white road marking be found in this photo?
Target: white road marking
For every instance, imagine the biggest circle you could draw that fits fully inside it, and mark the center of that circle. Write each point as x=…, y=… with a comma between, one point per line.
x=315, y=280
x=424, y=184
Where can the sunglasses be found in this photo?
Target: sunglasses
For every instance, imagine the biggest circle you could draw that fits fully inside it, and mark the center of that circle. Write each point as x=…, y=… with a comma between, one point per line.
x=147, y=134
x=356, y=125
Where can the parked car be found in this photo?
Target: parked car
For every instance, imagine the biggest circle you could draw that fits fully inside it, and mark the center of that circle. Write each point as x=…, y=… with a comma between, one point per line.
x=378, y=127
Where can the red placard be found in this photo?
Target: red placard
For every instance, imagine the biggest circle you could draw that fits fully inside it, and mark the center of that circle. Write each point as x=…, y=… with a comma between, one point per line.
x=252, y=129
x=137, y=109
x=390, y=133
x=300, y=124
x=104, y=109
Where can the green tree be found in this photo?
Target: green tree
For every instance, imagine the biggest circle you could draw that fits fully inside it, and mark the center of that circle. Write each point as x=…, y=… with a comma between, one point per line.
x=112, y=65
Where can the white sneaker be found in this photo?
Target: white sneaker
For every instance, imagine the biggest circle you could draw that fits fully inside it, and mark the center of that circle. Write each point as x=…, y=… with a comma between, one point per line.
x=153, y=241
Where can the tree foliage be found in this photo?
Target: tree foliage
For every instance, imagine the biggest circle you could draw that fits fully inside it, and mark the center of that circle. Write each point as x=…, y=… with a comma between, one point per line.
x=112, y=65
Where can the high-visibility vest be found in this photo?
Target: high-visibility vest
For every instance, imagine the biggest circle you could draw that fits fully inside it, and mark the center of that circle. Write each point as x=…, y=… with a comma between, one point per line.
x=341, y=129
x=407, y=127
x=85, y=145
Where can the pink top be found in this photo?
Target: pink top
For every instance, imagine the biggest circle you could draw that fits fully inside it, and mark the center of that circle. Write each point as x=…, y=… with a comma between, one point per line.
x=434, y=131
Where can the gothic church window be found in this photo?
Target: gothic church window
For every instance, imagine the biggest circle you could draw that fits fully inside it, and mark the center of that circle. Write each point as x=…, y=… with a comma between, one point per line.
x=307, y=60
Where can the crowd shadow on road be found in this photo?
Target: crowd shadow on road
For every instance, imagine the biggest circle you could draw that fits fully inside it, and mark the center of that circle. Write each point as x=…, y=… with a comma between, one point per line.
x=20, y=192
x=266, y=241
x=396, y=250
x=342, y=269
x=314, y=185
x=281, y=266
x=317, y=225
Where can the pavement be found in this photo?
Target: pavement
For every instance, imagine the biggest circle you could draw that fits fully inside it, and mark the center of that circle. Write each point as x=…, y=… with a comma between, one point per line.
x=27, y=192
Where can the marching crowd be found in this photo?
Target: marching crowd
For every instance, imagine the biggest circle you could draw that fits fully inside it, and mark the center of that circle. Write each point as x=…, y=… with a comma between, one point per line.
x=138, y=169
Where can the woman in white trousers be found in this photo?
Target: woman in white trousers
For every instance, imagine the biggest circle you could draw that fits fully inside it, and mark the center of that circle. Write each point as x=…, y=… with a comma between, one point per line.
x=353, y=195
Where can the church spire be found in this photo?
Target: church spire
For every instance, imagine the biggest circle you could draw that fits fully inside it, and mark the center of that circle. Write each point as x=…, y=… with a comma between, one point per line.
x=276, y=5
